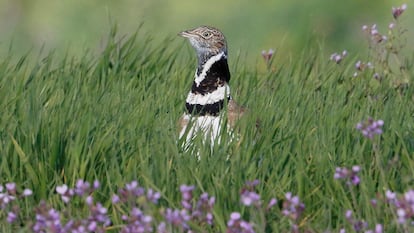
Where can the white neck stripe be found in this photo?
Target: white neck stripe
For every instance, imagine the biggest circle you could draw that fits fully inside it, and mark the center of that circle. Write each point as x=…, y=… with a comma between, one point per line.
x=207, y=66
x=210, y=98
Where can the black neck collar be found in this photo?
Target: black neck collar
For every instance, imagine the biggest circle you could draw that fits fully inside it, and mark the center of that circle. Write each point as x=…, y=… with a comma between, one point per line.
x=208, y=109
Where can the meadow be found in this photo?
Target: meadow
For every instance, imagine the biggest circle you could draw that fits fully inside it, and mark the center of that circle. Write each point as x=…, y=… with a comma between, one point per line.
x=90, y=144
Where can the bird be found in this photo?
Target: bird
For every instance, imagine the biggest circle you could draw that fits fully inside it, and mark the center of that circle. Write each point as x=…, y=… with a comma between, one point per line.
x=209, y=104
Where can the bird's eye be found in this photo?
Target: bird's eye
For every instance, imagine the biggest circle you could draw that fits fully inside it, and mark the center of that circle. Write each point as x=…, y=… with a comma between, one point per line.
x=206, y=34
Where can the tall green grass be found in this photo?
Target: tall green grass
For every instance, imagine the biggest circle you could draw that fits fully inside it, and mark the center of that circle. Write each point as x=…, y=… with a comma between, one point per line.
x=113, y=117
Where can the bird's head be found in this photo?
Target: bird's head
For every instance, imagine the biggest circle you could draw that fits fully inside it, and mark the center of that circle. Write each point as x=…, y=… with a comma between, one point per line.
x=207, y=41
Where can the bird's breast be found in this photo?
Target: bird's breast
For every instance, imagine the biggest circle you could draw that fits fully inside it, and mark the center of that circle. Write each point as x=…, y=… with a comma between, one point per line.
x=209, y=125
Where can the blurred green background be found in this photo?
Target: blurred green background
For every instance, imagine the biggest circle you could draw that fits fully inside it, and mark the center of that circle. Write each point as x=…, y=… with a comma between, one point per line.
x=250, y=26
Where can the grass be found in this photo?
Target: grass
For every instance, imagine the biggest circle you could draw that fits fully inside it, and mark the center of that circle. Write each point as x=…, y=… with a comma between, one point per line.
x=112, y=117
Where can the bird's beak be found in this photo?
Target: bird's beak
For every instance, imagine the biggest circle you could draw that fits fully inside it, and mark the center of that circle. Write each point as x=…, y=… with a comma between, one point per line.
x=186, y=34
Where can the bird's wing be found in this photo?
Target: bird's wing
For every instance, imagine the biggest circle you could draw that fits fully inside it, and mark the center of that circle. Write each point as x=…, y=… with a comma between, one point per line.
x=234, y=112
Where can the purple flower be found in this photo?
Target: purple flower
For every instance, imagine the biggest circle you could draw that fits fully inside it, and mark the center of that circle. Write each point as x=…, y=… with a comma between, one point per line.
x=187, y=196
x=338, y=57
x=378, y=229
x=9, y=194
x=397, y=11
x=374, y=202
x=131, y=186
x=115, y=199
x=203, y=212
x=267, y=56
x=11, y=187
x=250, y=198
x=85, y=188
x=292, y=207
x=374, y=30
x=133, y=196
x=355, y=180
x=341, y=173
x=358, y=65
x=47, y=218
x=235, y=216
x=252, y=184
x=361, y=66
x=370, y=127
x=5, y=199
x=153, y=196
x=64, y=192
x=402, y=215
x=187, y=205
x=11, y=217
x=356, y=168
x=178, y=218
x=187, y=191
x=89, y=200
x=391, y=196
x=374, y=33
x=137, y=222
x=96, y=184
x=27, y=192
x=131, y=190
x=409, y=196
x=351, y=176
x=134, y=190
x=404, y=206
x=162, y=228
x=377, y=76
x=272, y=202
x=348, y=214
x=62, y=189
x=237, y=225
x=92, y=226
x=358, y=225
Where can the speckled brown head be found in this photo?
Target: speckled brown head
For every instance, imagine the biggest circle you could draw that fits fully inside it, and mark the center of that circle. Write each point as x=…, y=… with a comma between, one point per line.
x=207, y=41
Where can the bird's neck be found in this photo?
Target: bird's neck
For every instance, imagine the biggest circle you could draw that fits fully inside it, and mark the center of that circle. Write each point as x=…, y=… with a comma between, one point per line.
x=210, y=89
x=211, y=69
